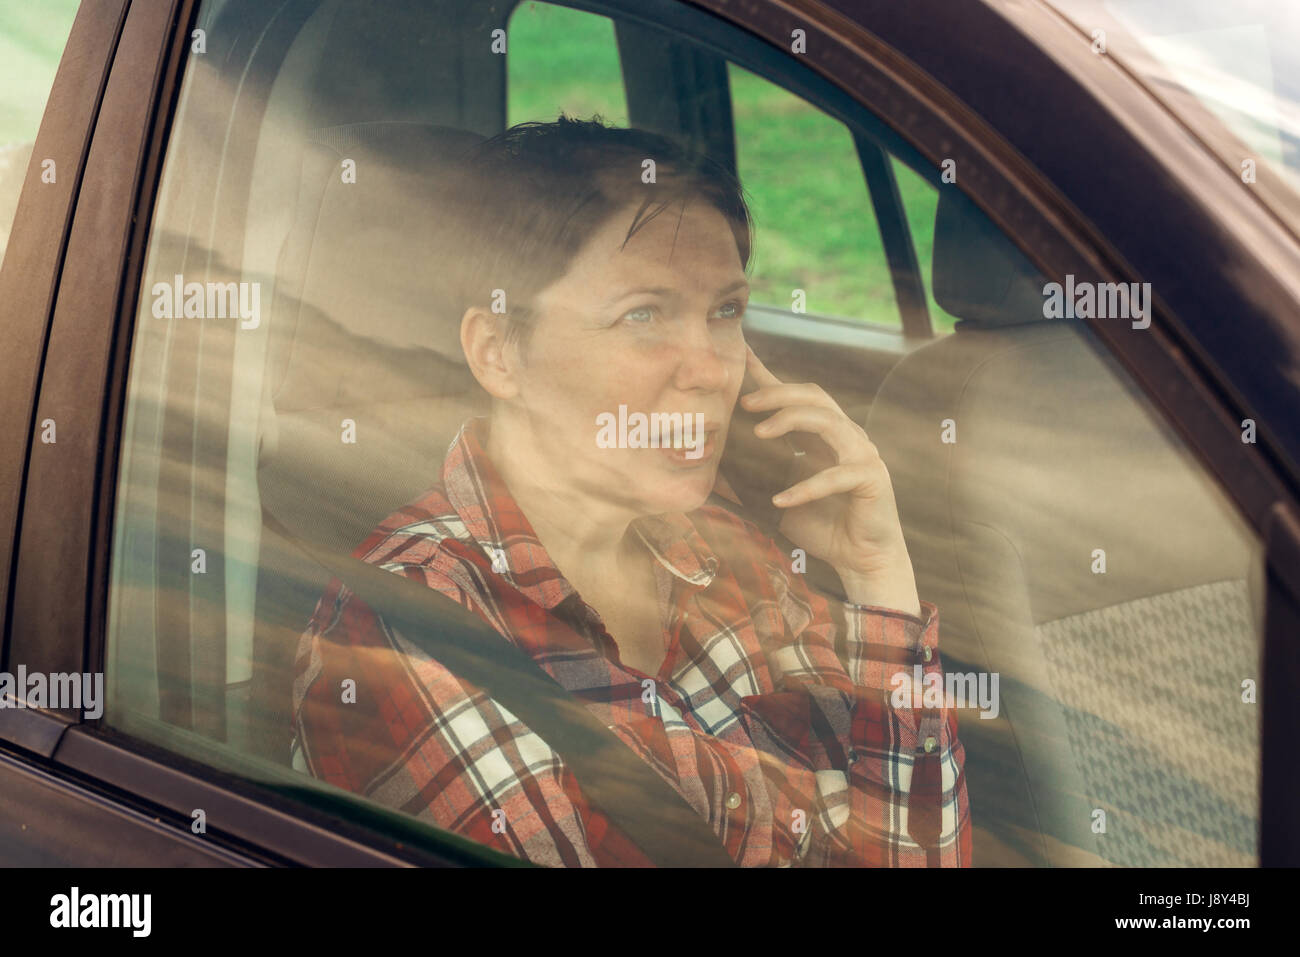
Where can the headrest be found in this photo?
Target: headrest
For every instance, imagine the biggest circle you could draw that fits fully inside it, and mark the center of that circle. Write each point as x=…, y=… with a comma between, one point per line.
x=360, y=300
x=360, y=331
x=979, y=275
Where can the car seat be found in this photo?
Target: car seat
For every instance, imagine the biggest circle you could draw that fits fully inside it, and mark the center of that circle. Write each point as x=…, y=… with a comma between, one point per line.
x=360, y=339
x=1120, y=692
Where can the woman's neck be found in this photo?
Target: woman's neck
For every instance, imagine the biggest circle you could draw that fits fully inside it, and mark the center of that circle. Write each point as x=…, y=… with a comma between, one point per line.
x=587, y=541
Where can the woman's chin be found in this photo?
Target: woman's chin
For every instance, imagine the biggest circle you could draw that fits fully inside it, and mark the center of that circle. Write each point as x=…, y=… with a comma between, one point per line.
x=681, y=493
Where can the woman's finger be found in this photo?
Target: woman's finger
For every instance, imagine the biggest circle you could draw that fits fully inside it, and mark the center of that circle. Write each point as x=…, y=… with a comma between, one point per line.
x=759, y=371
x=848, y=442
x=790, y=393
x=835, y=480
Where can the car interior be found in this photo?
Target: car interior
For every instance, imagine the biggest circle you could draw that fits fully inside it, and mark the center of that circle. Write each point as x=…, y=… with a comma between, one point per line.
x=1115, y=741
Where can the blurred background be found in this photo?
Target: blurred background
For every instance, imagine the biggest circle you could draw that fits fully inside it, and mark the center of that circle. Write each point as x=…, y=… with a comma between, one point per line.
x=32, y=36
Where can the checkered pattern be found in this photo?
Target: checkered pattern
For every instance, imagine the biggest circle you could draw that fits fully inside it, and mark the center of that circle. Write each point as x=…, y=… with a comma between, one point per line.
x=771, y=714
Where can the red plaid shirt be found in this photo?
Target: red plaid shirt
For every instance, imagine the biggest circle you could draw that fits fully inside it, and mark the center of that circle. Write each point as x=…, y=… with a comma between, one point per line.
x=770, y=715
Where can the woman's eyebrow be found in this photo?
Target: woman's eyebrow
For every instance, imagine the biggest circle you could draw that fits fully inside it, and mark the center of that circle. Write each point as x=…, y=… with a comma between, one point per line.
x=664, y=291
x=668, y=292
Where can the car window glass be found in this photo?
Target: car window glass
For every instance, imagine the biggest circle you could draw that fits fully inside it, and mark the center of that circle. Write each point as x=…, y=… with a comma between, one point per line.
x=921, y=203
x=32, y=37
x=505, y=367
x=819, y=247
x=562, y=60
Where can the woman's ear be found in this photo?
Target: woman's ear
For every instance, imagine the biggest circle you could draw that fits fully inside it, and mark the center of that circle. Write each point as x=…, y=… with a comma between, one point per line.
x=493, y=360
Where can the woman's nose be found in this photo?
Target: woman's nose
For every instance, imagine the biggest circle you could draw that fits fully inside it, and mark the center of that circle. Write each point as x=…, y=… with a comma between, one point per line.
x=702, y=364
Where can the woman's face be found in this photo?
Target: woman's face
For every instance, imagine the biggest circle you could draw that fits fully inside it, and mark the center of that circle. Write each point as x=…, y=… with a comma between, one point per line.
x=653, y=326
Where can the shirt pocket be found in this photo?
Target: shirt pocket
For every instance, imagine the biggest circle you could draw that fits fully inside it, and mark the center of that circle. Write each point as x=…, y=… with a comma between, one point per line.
x=779, y=725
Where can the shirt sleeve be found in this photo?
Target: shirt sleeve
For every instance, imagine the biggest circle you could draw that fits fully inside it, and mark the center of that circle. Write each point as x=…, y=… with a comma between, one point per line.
x=889, y=768
x=906, y=773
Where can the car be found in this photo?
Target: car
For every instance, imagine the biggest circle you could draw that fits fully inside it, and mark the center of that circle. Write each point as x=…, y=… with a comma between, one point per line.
x=1045, y=254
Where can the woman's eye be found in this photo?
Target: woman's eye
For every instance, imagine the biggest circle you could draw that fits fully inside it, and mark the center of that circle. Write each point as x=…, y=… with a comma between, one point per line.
x=642, y=314
x=730, y=310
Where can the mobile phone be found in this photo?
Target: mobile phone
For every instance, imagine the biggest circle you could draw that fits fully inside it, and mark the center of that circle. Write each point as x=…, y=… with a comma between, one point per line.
x=758, y=468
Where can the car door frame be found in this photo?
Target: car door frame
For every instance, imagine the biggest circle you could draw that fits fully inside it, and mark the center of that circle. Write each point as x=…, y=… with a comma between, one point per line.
x=59, y=582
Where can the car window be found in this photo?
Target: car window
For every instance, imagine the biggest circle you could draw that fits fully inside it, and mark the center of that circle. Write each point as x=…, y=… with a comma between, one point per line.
x=562, y=60
x=379, y=328
x=819, y=245
x=921, y=203
x=820, y=252
x=32, y=37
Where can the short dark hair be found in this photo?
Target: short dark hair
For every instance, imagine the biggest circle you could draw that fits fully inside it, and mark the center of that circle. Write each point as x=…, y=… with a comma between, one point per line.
x=534, y=194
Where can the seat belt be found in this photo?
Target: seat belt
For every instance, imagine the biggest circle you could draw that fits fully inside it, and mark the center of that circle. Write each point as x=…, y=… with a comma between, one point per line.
x=625, y=788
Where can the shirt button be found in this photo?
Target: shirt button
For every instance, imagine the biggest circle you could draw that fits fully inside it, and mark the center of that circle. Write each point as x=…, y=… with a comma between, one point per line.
x=929, y=653
x=733, y=800
x=930, y=744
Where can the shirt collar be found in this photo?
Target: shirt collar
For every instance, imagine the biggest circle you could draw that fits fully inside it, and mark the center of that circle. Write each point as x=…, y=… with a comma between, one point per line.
x=494, y=520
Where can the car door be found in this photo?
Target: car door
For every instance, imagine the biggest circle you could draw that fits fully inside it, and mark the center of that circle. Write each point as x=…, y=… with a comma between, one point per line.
x=195, y=664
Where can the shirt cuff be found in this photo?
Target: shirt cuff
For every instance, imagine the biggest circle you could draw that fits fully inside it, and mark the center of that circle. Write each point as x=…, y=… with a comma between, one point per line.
x=928, y=611
x=879, y=642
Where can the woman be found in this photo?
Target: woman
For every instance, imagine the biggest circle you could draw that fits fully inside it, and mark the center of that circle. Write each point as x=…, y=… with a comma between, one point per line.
x=601, y=273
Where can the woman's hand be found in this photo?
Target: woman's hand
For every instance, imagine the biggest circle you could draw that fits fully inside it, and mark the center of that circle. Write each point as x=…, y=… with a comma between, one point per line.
x=843, y=512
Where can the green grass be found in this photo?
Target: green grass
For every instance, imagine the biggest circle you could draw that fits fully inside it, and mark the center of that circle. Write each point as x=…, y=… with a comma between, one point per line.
x=815, y=229
x=562, y=60
x=32, y=37
x=920, y=202
x=814, y=225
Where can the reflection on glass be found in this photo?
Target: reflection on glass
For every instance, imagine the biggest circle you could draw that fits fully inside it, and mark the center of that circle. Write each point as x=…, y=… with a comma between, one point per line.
x=514, y=370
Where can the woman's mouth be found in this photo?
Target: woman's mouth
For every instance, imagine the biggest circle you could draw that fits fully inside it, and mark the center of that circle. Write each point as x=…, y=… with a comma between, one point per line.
x=685, y=455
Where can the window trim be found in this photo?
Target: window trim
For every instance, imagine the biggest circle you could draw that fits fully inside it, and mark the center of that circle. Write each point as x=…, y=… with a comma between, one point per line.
x=1279, y=823
x=29, y=279
x=257, y=819
x=81, y=823
x=896, y=237
x=60, y=495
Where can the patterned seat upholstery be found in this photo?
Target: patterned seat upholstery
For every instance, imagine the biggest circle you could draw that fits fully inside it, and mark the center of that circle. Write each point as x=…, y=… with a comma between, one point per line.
x=1120, y=691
